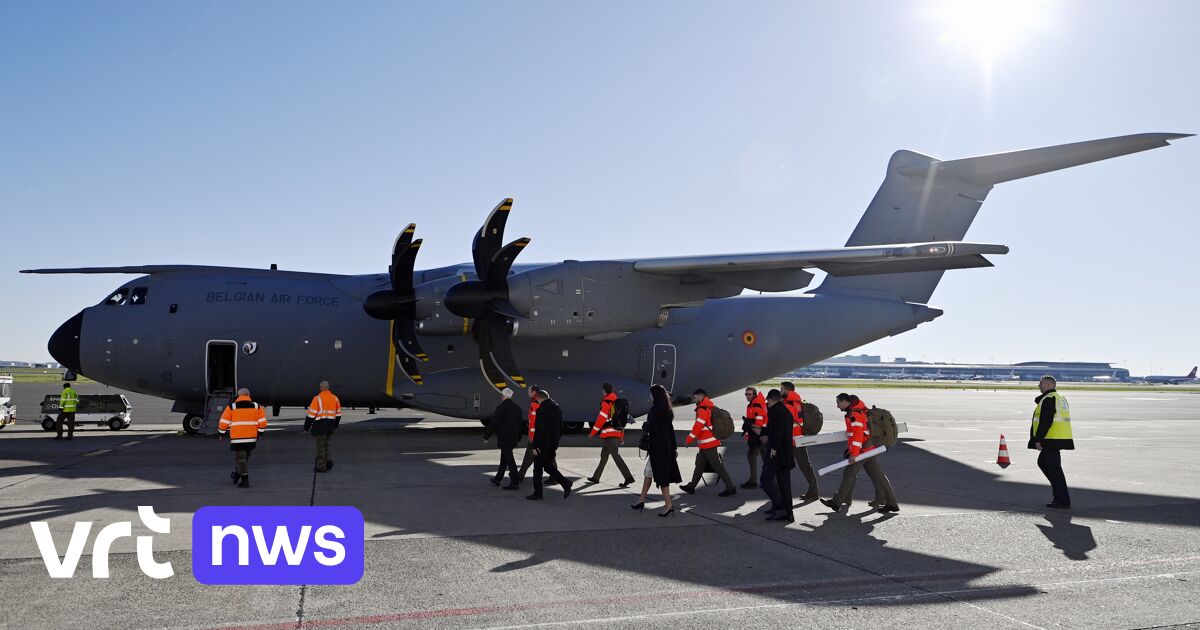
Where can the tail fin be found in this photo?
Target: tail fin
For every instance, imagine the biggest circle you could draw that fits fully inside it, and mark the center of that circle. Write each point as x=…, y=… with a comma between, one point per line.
x=923, y=199
x=1192, y=374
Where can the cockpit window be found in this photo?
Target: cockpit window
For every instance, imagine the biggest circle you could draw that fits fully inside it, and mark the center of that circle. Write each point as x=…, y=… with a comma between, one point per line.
x=118, y=298
x=139, y=296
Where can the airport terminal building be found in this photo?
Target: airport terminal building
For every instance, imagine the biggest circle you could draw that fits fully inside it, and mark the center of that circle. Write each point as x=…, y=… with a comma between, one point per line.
x=872, y=367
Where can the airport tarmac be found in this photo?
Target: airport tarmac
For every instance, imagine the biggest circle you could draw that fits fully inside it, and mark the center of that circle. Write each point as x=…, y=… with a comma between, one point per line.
x=971, y=547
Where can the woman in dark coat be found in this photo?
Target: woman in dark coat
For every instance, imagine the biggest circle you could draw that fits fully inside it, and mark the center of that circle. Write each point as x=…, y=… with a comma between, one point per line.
x=660, y=466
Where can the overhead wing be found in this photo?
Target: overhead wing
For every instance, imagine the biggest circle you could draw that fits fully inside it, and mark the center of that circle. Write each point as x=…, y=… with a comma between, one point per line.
x=786, y=271
x=134, y=269
x=149, y=270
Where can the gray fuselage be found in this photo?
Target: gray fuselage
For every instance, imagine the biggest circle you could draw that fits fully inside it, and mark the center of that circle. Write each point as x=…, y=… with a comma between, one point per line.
x=292, y=330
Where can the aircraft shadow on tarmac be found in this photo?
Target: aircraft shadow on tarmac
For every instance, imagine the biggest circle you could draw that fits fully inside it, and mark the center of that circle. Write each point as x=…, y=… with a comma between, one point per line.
x=185, y=474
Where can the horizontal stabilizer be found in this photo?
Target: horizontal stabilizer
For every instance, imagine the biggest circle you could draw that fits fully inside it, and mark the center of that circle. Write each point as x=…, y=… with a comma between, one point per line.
x=987, y=170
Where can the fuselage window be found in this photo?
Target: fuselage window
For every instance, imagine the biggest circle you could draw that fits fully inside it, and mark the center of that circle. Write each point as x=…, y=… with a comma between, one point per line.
x=118, y=298
x=139, y=296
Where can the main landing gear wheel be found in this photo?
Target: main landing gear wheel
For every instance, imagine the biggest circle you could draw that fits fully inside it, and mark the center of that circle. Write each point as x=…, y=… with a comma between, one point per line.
x=192, y=424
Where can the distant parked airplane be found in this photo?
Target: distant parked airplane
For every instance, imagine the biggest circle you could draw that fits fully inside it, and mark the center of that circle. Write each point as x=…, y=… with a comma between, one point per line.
x=1173, y=380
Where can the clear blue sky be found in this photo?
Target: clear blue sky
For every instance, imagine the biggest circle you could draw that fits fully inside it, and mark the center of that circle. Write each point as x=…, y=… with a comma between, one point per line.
x=250, y=133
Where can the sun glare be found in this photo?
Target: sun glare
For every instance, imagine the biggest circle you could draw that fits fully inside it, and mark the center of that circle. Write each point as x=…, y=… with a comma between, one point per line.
x=989, y=26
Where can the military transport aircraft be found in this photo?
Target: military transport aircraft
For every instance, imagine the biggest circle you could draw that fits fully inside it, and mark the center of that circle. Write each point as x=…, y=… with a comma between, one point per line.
x=447, y=340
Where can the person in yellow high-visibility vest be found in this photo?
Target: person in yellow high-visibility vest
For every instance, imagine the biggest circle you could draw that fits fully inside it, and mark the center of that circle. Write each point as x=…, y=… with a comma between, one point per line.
x=68, y=404
x=1050, y=435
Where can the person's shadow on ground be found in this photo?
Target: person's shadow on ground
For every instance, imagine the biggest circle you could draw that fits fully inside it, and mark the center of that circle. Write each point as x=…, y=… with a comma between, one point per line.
x=1075, y=541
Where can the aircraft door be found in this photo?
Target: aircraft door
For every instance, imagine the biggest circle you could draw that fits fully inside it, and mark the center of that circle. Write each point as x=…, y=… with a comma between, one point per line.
x=664, y=366
x=221, y=374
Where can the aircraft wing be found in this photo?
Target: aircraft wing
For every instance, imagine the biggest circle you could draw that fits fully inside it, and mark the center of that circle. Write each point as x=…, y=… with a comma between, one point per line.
x=786, y=271
x=149, y=270
x=133, y=269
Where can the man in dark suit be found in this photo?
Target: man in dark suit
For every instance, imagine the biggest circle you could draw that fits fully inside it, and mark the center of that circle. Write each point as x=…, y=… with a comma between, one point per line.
x=545, y=445
x=778, y=448
x=506, y=425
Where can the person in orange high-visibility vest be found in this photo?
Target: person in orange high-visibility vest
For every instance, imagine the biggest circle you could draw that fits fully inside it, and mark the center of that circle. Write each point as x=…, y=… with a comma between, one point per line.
x=244, y=421
x=324, y=417
x=794, y=404
x=527, y=460
x=708, y=458
x=753, y=424
x=858, y=434
x=612, y=436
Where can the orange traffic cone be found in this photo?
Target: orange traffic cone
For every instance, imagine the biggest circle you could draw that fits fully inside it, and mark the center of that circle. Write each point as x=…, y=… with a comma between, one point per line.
x=1002, y=457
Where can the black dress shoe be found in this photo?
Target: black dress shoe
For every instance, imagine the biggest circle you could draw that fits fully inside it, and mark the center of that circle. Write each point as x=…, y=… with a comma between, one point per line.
x=628, y=482
x=567, y=489
x=495, y=482
x=770, y=516
x=593, y=480
x=534, y=497
x=811, y=496
x=829, y=503
x=728, y=492
x=786, y=518
x=690, y=489
x=328, y=465
x=639, y=506
x=1059, y=506
x=890, y=508
x=750, y=485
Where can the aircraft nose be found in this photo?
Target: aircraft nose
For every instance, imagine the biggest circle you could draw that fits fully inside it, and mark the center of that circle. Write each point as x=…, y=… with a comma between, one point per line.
x=64, y=343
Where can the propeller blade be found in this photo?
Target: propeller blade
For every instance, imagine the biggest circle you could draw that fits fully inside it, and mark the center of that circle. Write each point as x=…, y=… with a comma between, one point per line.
x=409, y=365
x=404, y=255
x=495, y=354
x=404, y=337
x=489, y=237
x=501, y=263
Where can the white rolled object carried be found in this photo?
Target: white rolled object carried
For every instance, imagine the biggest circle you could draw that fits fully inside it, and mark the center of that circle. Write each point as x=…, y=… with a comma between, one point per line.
x=846, y=462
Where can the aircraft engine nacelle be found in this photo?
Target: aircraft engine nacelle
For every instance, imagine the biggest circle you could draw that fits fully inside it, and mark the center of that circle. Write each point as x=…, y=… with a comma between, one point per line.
x=579, y=299
x=432, y=316
x=570, y=299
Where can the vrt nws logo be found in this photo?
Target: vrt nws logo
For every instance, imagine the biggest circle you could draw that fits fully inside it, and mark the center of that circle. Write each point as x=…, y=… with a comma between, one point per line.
x=249, y=348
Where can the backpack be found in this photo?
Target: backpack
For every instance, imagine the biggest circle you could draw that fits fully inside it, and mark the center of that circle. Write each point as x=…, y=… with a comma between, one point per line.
x=882, y=425
x=813, y=419
x=722, y=423
x=620, y=417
